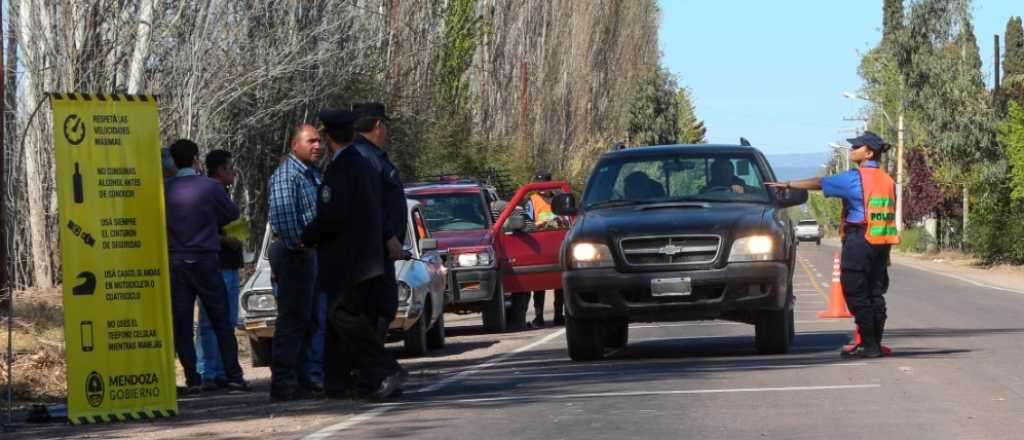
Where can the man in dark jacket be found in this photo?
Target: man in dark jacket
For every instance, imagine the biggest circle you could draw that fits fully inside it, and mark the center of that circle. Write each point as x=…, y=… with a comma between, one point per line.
x=353, y=266
x=197, y=208
x=372, y=137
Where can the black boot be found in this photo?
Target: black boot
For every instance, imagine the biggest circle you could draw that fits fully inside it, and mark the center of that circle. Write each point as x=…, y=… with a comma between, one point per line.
x=869, y=347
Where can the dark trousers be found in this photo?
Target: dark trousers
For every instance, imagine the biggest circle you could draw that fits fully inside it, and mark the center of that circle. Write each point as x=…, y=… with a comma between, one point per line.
x=297, y=319
x=353, y=342
x=538, y=304
x=200, y=279
x=386, y=302
x=864, y=275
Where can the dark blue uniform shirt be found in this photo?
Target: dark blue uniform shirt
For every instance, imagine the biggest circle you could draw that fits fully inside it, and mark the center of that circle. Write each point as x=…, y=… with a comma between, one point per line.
x=393, y=191
x=847, y=186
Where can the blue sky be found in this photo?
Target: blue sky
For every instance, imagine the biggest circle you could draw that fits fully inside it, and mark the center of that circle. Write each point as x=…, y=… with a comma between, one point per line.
x=774, y=71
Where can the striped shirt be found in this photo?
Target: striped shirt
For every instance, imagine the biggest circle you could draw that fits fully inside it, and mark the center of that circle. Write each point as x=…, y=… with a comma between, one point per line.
x=293, y=189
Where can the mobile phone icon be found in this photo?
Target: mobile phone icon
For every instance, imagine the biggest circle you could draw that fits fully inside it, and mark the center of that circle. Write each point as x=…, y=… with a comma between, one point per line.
x=86, y=328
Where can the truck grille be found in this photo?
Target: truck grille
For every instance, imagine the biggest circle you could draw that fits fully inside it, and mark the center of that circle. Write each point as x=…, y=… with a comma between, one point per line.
x=670, y=250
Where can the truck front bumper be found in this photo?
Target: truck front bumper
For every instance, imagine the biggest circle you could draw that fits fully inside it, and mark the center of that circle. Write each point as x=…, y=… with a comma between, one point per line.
x=715, y=293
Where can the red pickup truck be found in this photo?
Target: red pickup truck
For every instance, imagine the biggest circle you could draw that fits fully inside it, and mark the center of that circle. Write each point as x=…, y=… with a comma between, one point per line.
x=489, y=254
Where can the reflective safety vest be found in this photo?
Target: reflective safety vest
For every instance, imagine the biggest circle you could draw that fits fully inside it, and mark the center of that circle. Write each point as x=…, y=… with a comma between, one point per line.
x=879, y=207
x=542, y=212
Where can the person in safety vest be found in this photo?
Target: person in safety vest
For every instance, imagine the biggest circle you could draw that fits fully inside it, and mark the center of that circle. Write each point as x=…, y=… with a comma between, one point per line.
x=868, y=233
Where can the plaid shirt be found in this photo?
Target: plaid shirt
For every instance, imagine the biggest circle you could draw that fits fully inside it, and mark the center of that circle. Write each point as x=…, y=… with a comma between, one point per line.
x=293, y=189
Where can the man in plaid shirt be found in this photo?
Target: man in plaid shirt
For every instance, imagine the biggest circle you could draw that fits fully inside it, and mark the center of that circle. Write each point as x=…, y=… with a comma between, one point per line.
x=293, y=190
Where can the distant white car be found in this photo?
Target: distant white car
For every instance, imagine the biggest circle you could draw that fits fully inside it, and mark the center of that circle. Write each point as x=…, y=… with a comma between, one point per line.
x=421, y=296
x=808, y=230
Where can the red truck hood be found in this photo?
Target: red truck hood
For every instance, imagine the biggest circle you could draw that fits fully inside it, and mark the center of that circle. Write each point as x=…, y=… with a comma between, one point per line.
x=453, y=239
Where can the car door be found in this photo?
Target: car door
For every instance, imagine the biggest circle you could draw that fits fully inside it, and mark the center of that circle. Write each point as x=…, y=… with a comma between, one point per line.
x=529, y=259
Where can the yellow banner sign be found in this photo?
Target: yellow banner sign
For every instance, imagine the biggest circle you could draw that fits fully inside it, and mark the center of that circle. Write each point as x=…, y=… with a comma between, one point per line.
x=113, y=242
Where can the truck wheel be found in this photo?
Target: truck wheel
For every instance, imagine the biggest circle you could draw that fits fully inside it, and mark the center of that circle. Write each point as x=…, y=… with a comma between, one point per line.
x=416, y=338
x=772, y=333
x=435, y=336
x=618, y=333
x=260, y=351
x=585, y=338
x=494, y=311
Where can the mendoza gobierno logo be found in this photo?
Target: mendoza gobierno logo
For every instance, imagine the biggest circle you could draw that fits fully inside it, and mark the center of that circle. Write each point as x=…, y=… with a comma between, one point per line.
x=94, y=389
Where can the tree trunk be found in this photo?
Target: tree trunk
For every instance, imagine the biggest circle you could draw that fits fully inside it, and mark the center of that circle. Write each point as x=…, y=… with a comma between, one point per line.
x=34, y=49
x=141, y=51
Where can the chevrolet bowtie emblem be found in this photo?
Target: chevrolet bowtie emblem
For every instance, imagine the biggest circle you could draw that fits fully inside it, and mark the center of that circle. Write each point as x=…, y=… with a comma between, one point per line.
x=670, y=250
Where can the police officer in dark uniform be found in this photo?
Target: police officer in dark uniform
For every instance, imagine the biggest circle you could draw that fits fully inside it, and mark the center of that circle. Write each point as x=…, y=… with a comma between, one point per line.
x=372, y=136
x=869, y=231
x=353, y=266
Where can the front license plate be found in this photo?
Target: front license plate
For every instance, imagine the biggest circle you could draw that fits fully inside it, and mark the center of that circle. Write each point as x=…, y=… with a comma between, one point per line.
x=661, y=287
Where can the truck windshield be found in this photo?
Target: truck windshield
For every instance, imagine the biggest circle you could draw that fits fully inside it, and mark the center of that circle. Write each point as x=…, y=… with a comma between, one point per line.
x=454, y=212
x=676, y=177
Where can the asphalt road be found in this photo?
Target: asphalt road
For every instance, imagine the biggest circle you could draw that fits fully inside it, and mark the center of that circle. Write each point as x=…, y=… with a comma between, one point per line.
x=956, y=373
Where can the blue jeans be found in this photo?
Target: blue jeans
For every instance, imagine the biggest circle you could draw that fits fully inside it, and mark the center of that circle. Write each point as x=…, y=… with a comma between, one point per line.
x=207, y=353
x=200, y=279
x=315, y=353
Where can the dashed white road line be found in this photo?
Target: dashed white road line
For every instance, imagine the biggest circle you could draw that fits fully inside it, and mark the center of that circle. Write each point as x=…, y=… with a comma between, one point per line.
x=353, y=421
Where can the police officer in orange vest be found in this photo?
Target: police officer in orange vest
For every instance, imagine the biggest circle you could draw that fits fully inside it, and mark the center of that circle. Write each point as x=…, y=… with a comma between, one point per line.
x=868, y=231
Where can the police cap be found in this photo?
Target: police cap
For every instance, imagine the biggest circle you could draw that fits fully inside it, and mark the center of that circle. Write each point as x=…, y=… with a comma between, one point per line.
x=370, y=110
x=334, y=118
x=870, y=140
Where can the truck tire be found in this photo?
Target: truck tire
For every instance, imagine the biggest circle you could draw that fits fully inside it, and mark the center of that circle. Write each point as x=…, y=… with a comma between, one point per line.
x=772, y=332
x=494, y=311
x=617, y=333
x=436, y=334
x=585, y=339
x=260, y=351
x=416, y=338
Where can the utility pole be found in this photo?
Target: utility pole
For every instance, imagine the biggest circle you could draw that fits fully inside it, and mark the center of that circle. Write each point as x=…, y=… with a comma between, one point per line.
x=995, y=84
x=899, y=173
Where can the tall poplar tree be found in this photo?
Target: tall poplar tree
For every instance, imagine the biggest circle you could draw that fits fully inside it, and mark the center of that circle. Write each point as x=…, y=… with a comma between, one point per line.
x=691, y=129
x=892, y=18
x=1013, y=58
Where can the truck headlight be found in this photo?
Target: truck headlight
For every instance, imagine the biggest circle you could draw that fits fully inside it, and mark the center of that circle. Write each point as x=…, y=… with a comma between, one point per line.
x=752, y=248
x=260, y=302
x=404, y=292
x=471, y=259
x=591, y=255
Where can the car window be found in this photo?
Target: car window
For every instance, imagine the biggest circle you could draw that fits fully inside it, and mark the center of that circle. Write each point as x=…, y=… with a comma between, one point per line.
x=677, y=177
x=808, y=223
x=454, y=211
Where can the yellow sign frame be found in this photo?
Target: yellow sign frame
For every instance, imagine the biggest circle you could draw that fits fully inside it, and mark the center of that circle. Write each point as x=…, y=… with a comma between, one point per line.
x=118, y=327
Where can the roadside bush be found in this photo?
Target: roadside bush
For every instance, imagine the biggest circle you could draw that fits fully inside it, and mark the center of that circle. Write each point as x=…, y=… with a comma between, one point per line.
x=914, y=240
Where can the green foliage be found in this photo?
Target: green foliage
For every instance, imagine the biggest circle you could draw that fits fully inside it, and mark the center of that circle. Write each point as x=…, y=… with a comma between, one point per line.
x=461, y=30
x=1013, y=40
x=995, y=233
x=1011, y=137
x=654, y=112
x=915, y=240
x=828, y=212
x=892, y=17
x=691, y=129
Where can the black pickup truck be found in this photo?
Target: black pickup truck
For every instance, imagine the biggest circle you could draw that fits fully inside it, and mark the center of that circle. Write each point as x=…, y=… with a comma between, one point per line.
x=678, y=233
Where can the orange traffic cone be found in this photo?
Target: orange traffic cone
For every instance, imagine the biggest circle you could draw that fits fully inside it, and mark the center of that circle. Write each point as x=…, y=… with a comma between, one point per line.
x=886, y=351
x=836, y=302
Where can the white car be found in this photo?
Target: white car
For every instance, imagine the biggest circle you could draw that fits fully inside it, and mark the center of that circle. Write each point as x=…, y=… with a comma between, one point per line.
x=808, y=230
x=421, y=300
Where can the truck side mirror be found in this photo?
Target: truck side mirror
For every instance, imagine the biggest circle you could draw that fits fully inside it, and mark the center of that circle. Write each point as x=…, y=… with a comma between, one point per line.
x=428, y=244
x=564, y=205
x=515, y=223
x=786, y=198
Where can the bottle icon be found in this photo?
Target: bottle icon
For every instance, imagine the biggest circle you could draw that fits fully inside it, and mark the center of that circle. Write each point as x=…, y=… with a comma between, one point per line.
x=76, y=181
x=86, y=329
